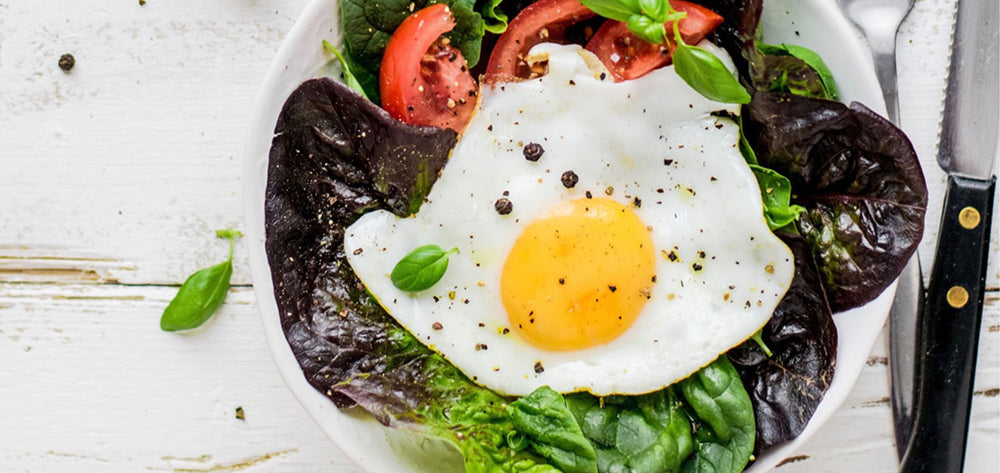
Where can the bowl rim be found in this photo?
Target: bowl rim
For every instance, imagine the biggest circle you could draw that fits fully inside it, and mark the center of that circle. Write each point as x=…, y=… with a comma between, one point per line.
x=290, y=66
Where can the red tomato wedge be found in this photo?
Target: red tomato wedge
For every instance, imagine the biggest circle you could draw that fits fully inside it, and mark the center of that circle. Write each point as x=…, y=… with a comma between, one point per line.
x=541, y=22
x=628, y=57
x=424, y=80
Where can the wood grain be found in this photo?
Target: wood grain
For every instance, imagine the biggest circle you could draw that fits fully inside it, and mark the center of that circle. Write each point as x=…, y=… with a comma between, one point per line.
x=113, y=178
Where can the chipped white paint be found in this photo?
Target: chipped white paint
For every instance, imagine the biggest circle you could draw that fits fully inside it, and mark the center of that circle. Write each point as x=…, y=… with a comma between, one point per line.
x=112, y=180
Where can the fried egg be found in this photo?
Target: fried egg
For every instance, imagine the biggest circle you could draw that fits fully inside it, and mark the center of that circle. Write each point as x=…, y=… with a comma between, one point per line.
x=610, y=236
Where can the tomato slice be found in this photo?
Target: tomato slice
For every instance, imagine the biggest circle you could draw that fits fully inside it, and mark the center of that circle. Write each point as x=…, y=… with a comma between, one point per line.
x=542, y=21
x=628, y=57
x=424, y=80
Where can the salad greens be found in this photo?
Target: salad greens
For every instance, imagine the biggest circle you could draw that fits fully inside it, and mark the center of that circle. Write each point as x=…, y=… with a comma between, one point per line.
x=635, y=434
x=706, y=73
x=787, y=382
x=202, y=293
x=856, y=175
x=336, y=156
x=645, y=18
x=703, y=424
x=724, y=440
x=349, y=78
x=552, y=432
x=421, y=268
x=776, y=191
x=369, y=25
x=356, y=354
x=699, y=68
x=811, y=59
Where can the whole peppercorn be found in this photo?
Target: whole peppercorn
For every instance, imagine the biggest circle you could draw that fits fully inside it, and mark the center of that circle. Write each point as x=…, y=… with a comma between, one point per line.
x=504, y=206
x=533, y=151
x=569, y=179
x=66, y=62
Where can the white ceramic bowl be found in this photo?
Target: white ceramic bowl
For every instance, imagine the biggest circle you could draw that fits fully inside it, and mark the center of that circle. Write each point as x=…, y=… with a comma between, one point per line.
x=817, y=24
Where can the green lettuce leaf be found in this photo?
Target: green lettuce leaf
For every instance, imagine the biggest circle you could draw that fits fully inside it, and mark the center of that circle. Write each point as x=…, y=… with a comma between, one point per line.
x=776, y=192
x=808, y=57
x=495, y=20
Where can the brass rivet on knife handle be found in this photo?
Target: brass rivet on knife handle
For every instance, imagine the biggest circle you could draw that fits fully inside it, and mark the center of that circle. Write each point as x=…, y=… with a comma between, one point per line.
x=957, y=297
x=969, y=218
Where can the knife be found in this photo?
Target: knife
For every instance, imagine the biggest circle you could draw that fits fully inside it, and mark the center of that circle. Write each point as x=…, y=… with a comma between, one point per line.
x=948, y=331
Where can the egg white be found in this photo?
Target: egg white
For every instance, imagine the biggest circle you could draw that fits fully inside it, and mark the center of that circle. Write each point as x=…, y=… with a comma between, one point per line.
x=653, y=140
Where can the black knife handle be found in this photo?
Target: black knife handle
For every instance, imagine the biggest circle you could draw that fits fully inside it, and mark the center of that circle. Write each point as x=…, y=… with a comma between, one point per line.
x=948, y=336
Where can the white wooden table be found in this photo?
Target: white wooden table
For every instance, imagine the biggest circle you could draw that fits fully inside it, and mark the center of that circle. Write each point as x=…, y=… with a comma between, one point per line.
x=112, y=180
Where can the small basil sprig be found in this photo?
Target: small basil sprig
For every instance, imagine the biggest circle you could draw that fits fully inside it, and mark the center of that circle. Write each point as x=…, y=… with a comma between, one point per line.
x=349, y=78
x=421, y=268
x=202, y=292
x=645, y=18
x=699, y=68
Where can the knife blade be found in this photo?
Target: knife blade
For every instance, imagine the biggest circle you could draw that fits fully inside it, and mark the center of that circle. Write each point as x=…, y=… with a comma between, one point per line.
x=903, y=317
x=948, y=330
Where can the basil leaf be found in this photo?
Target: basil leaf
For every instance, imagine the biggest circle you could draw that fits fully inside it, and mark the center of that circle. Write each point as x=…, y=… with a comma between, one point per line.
x=201, y=294
x=655, y=9
x=618, y=10
x=349, y=78
x=724, y=440
x=421, y=268
x=707, y=74
x=646, y=28
x=776, y=192
x=552, y=431
x=810, y=58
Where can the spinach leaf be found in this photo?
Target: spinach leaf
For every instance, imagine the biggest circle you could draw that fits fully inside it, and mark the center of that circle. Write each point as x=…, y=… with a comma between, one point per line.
x=345, y=68
x=369, y=25
x=811, y=59
x=725, y=437
x=421, y=268
x=201, y=294
x=707, y=74
x=776, y=192
x=641, y=434
x=552, y=431
x=786, y=386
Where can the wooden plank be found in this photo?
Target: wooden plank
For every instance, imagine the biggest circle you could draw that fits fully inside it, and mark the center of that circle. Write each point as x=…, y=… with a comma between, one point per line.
x=115, y=394
x=89, y=383
x=136, y=155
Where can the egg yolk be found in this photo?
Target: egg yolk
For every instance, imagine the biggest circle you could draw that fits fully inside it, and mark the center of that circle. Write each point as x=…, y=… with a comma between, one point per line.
x=579, y=275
